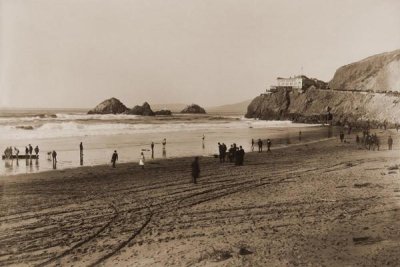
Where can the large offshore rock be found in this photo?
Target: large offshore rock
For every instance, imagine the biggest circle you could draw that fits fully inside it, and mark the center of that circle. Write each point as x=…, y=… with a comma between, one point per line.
x=163, y=112
x=144, y=110
x=109, y=106
x=195, y=109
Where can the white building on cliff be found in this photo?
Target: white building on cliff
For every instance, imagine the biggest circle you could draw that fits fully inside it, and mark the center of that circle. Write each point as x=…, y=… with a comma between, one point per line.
x=300, y=83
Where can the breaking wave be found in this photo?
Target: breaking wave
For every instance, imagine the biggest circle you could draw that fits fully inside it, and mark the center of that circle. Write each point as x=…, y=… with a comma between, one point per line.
x=76, y=129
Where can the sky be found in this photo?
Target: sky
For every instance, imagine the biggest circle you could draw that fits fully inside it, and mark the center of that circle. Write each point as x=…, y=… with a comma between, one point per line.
x=76, y=53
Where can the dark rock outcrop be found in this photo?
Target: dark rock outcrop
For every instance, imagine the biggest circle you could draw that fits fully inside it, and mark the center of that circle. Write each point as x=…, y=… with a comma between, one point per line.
x=355, y=108
x=144, y=110
x=194, y=109
x=163, y=112
x=378, y=73
x=109, y=106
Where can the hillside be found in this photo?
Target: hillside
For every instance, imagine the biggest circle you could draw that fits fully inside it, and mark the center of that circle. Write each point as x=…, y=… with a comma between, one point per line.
x=377, y=73
x=237, y=108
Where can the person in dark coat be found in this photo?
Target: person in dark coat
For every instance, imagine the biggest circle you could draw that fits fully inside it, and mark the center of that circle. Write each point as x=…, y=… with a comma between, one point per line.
x=114, y=158
x=224, y=148
x=36, y=150
x=152, y=150
x=220, y=150
x=195, y=170
x=240, y=156
x=231, y=153
x=252, y=144
x=390, y=142
x=341, y=135
x=260, y=145
x=81, y=148
x=30, y=149
x=54, y=156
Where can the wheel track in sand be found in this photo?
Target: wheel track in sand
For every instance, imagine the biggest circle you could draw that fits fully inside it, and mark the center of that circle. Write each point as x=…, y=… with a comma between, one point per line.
x=184, y=194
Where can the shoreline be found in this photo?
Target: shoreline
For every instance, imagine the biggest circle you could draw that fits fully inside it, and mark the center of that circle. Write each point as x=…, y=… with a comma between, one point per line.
x=322, y=203
x=155, y=161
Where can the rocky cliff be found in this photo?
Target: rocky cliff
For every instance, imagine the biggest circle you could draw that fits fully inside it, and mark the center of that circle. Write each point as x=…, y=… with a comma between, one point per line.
x=356, y=96
x=377, y=73
x=109, y=106
x=355, y=108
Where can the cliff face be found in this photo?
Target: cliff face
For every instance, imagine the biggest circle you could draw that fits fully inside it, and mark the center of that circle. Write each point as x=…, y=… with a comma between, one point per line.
x=377, y=73
x=312, y=106
x=347, y=99
x=109, y=106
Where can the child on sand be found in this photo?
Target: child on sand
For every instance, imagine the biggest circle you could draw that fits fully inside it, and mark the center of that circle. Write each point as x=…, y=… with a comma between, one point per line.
x=141, y=160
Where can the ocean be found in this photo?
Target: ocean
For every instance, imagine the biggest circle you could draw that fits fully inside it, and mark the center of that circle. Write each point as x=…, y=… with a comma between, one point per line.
x=63, y=130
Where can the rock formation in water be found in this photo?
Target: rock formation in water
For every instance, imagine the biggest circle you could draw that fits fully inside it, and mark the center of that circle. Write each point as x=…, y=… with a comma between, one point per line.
x=143, y=110
x=378, y=73
x=194, y=109
x=163, y=112
x=349, y=99
x=109, y=106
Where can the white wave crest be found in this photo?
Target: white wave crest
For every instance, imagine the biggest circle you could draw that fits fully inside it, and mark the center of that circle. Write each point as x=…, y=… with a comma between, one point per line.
x=77, y=129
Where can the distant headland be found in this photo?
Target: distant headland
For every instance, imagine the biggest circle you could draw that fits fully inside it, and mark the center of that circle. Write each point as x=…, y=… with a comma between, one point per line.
x=364, y=93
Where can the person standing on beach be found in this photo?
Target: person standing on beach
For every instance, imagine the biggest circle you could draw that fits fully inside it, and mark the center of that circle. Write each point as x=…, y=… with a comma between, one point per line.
x=81, y=148
x=195, y=170
x=230, y=154
x=141, y=160
x=54, y=156
x=299, y=136
x=269, y=145
x=164, y=143
x=152, y=150
x=260, y=145
x=240, y=156
x=390, y=142
x=114, y=158
x=16, y=150
x=377, y=141
x=252, y=144
x=26, y=151
x=224, y=148
x=30, y=149
x=341, y=135
x=36, y=151
x=220, y=148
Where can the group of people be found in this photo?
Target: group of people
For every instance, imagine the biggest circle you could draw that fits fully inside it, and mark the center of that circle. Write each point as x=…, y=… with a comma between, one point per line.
x=371, y=141
x=235, y=154
x=142, y=159
x=10, y=153
x=260, y=144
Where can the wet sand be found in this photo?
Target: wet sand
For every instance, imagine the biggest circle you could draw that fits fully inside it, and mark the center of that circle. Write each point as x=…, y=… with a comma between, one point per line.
x=319, y=204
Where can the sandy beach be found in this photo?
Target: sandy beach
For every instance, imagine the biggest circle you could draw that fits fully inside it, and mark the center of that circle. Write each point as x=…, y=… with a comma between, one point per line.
x=323, y=203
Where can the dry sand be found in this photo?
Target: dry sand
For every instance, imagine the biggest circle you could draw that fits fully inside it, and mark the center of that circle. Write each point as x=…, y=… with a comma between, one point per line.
x=320, y=204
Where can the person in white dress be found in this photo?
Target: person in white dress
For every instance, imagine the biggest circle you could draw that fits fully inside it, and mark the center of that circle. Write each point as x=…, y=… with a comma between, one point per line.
x=141, y=160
